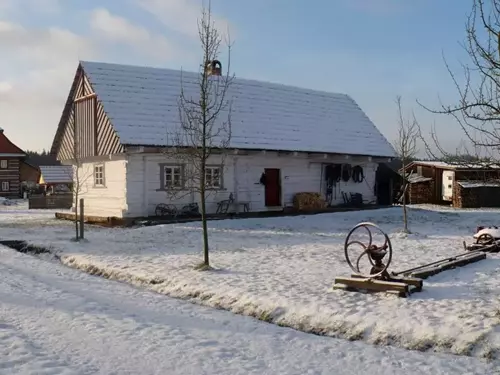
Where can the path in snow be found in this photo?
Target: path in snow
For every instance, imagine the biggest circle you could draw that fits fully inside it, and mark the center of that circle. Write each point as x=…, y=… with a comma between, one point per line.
x=55, y=320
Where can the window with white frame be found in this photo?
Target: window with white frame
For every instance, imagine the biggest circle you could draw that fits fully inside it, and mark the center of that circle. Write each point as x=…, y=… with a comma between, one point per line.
x=172, y=175
x=4, y=164
x=99, y=175
x=5, y=186
x=213, y=177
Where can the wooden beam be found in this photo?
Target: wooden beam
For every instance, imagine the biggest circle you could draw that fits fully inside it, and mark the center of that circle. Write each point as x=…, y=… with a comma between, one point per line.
x=83, y=98
x=371, y=285
x=424, y=273
x=417, y=283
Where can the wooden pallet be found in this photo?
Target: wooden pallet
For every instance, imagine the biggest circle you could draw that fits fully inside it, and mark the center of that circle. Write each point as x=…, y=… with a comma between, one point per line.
x=402, y=287
x=447, y=264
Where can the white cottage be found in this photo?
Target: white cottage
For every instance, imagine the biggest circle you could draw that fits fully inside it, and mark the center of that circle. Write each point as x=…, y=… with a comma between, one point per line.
x=300, y=140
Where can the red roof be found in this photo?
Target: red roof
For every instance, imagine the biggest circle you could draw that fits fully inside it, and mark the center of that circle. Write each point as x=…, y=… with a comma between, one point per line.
x=7, y=147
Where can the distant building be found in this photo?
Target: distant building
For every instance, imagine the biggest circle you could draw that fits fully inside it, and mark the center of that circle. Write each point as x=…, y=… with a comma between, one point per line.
x=11, y=160
x=462, y=185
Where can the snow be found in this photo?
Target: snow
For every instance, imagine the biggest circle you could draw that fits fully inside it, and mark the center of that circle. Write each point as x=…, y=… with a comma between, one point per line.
x=56, y=320
x=282, y=270
x=141, y=100
x=445, y=165
x=476, y=184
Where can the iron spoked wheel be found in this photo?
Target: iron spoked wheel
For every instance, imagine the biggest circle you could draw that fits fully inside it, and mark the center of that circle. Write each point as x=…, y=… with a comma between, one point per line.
x=485, y=239
x=387, y=246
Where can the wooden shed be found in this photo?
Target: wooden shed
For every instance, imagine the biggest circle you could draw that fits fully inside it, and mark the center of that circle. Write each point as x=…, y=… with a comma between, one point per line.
x=444, y=175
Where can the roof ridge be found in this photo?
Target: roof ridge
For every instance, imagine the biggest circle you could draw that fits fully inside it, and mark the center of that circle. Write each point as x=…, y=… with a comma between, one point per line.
x=240, y=79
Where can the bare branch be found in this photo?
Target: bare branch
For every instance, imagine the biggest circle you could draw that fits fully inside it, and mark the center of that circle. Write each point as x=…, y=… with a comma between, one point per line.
x=204, y=131
x=478, y=109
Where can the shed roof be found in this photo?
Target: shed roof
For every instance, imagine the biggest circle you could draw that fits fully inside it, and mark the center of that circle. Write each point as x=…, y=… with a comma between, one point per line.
x=454, y=166
x=142, y=104
x=478, y=184
x=7, y=148
x=53, y=174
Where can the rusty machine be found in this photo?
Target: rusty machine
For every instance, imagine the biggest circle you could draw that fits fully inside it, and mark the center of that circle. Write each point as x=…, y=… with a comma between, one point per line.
x=486, y=239
x=377, y=278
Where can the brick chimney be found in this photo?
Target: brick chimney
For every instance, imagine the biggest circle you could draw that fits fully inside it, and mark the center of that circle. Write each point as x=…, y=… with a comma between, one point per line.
x=214, y=68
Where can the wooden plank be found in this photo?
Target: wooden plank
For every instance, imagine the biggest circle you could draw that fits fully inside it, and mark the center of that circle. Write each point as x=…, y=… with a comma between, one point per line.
x=371, y=284
x=424, y=273
x=418, y=283
x=83, y=98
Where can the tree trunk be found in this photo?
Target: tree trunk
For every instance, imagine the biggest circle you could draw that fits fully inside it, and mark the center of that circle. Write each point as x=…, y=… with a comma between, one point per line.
x=405, y=188
x=206, y=260
x=76, y=217
x=405, y=213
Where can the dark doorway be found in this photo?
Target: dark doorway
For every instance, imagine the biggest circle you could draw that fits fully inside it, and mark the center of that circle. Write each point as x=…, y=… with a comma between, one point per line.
x=273, y=187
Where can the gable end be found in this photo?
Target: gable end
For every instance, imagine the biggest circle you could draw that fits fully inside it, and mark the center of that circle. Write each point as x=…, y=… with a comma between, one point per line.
x=84, y=126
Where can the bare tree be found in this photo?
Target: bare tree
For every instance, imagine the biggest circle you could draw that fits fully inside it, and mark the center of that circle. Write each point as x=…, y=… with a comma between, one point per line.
x=478, y=109
x=406, y=149
x=203, y=133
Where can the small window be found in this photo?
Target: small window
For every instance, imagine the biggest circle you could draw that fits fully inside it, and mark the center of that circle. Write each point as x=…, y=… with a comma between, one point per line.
x=450, y=178
x=213, y=177
x=4, y=164
x=449, y=186
x=5, y=185
x=173, y=176
x=99, y=175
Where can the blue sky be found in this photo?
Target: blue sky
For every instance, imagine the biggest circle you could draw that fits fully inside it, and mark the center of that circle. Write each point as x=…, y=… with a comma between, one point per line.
x=372, y=50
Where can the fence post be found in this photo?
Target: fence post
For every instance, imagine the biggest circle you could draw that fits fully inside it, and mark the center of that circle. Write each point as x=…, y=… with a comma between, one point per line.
x=82, y=210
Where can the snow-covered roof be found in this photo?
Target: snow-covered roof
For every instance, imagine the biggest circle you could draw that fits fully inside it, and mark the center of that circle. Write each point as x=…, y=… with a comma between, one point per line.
x=142, y=104
x=51, y=174
x=478, y=184
x=445, y=165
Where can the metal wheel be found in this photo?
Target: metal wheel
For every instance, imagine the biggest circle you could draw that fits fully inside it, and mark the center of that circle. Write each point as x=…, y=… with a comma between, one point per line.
x=373, y=252
x=485, y=239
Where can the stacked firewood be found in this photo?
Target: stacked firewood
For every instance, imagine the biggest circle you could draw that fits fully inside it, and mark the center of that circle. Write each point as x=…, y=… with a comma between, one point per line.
x=308, y=201
x=421, y=192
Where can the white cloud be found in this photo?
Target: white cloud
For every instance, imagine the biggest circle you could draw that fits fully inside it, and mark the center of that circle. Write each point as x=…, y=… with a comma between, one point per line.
x=182, y=16
x=35, y=79
x=5, y=87
x=38, y=65
x=118, y=29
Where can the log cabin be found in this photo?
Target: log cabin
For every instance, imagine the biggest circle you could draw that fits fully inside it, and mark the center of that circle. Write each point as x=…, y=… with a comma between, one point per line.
x=11, y=158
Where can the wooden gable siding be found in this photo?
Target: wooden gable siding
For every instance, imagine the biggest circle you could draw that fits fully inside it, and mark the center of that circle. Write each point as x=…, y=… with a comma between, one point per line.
x=85, y=127
x=87, y=120
x=10, y=175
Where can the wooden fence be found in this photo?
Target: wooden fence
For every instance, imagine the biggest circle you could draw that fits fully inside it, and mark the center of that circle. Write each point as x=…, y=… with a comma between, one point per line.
x=57, y=201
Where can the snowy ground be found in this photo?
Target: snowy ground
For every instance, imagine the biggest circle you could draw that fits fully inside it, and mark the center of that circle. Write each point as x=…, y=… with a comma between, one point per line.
x=55, y=320
x=282, y=270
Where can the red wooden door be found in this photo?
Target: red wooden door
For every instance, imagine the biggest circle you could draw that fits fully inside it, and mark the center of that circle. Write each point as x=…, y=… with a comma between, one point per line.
x=273, y=187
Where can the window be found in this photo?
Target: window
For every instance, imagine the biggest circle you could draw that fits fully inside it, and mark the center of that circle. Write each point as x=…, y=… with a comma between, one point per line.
x=4, y=164
x=213, y=177
x=449, y=186
x=172, y=176
x=450, y=178
x=99, y=175
x=5, y=185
